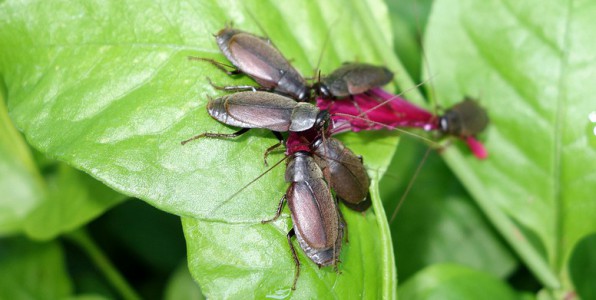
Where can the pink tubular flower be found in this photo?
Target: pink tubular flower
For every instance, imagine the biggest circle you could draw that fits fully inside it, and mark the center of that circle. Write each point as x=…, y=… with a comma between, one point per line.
x=378, y=109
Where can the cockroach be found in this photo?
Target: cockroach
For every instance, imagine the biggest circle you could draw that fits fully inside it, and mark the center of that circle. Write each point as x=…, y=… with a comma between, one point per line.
x=264, y=110
x=347, y=175
x=316, y=165
x=464, y=119
x=352, y=79
x=317, y=222
x=344, y=170
x=258, y=58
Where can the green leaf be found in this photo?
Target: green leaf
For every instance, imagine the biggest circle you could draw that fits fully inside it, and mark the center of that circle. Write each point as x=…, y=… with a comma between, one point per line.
x=528, y=63
x=182, y=286
x=20, y=183
x=449, y=281
x=116, y=102
x=409, y=18
x=235, y=260
x=438, y=222
x=32, y=270
x=44, y=204
x=73, y=199
x=582, y=267
x=107, y=88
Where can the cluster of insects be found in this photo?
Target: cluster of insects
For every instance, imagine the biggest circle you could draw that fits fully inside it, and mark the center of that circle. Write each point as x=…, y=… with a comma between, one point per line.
x=320, y=168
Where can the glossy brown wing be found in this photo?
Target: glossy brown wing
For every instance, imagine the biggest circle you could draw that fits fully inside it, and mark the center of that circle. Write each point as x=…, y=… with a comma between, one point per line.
x=348, y=176
x=356, y=78
x=259, y=59
x=253, y=110
x=314, y=213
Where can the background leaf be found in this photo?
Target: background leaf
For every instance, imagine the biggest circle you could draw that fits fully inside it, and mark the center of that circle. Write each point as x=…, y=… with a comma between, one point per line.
x=182, y=286
x=438, y=222
x=582, y=267
x=32, y=270
x=527, y=63
x=455, y=282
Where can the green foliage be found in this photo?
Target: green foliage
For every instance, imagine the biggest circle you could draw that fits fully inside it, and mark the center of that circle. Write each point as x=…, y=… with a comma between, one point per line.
x=444, y=281
x=32, y=270
x=582, y=267
x=527, y=63
x=103, y=92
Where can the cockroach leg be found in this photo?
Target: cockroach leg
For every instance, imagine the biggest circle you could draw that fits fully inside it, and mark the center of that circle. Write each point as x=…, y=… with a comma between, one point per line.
x=217, y=135
x=291, y=233
x=280, y=207
x=231, y=71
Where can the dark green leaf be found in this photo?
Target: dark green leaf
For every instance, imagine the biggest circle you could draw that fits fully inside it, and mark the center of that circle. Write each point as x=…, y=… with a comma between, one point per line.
x=32, y=270
x=438, y=221
x=449, y=281
x=582, y=267
x=409, y=19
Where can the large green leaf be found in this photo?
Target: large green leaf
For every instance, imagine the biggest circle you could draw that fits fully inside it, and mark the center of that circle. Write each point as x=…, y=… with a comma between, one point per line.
x=530, y=64
x=254, y=260
x=107, y=88
x=117, y=95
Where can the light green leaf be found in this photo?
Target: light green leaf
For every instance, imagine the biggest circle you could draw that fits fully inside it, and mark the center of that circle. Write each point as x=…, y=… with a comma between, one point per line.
x=236, y=260
x=73, y=198
x=529, y=63
x=116, y=96
x=20, y=183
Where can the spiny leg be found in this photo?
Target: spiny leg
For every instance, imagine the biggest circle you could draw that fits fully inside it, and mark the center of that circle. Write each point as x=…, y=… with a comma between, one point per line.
x=236, y=88
x=280, y=138
x=217, y=135
x=291, y=233
x=279, y=209
x=219, y=65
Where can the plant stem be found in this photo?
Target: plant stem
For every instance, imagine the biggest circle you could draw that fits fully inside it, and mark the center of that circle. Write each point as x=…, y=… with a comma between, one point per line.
x=84, y=241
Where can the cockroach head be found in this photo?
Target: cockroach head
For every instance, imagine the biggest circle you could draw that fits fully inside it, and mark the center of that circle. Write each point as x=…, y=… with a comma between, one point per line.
x=323, y=120
x=321, y=90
